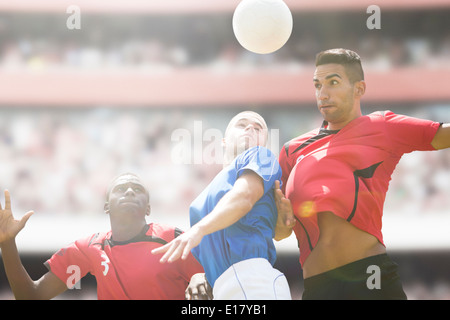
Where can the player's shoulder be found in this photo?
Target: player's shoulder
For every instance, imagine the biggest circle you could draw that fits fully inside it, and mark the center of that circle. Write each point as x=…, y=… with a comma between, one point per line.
x=384, y=117
x=163, y=231
x=382, y=114
x=299, y=140
x=92, y=240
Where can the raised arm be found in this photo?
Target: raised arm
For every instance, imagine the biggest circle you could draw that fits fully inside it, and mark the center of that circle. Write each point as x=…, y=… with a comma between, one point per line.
x=23, y=287
x=442, y=138
x=235, y=204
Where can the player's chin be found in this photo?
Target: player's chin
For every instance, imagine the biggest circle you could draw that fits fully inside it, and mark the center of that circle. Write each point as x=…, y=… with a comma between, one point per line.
x=329, y=114
x=131, y=207
x=129, y=204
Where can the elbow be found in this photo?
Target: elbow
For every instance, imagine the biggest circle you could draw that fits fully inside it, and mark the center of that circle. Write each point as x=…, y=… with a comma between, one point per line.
x=247, y=200
x=29, y=295
x=247, y=205
x=442, y=138
x=26, y=296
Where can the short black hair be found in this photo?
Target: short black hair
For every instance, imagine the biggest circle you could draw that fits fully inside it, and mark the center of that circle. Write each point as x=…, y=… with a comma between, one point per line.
x=345, y=57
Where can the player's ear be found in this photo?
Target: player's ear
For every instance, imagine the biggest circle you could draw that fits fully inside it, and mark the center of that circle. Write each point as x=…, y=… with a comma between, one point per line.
x=106, y=208
x=149, y=209
x=360, y=88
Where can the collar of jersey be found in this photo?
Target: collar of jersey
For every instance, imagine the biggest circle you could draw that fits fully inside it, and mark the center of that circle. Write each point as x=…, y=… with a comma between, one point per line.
x=139, y=237
x=323, y=128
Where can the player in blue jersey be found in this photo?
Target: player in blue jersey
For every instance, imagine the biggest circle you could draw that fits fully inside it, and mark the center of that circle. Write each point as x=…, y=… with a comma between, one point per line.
x=233, y=220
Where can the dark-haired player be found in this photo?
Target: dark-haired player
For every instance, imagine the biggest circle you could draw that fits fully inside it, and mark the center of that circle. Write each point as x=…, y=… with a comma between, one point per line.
x=336, y=178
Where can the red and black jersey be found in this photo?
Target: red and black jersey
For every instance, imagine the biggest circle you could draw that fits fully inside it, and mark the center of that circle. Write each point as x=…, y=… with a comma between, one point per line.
x=347, y=171
x=127, y=270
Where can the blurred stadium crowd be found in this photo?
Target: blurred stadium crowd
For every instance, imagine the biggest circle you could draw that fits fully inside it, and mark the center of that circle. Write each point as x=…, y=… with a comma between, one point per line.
x=38, y=42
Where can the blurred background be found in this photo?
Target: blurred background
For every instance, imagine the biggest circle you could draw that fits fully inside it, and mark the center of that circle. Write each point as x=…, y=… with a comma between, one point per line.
x=79, y=106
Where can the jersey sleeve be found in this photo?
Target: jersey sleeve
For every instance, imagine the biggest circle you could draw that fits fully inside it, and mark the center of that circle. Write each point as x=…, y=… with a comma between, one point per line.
x=409, y=134
x=70, y=262
x=261, y=161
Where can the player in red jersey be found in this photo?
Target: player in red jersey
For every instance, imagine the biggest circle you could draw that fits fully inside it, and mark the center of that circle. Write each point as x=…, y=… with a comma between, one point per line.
x=336, y=178
x=120, y=259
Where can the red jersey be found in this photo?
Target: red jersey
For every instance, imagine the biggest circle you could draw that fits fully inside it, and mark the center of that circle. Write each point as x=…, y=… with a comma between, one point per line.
x=127, y=270
x=348, y=171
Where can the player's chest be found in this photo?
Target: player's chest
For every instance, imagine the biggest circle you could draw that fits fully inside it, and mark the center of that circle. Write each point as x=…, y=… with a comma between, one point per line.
x=127, y=261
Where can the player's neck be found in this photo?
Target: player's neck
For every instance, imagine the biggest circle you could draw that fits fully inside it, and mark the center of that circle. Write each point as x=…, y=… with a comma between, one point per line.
x=338, y=125
x=125, y=232
x=230, y=154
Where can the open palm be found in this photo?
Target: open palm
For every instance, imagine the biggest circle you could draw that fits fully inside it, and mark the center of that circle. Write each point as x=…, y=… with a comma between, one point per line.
x=10, y=227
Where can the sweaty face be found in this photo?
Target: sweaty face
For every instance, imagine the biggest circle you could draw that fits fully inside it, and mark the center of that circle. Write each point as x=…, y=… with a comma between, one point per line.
x=245, y=131
x=127, y=195
x=335, y=95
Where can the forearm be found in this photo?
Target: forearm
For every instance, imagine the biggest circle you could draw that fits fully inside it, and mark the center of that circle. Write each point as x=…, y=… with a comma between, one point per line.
x=20, y=282
x=232, y=207
x=235, y=204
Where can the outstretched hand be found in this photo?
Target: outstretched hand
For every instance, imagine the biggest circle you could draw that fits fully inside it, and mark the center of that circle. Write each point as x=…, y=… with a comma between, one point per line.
x=10, y=227
x=180, y=247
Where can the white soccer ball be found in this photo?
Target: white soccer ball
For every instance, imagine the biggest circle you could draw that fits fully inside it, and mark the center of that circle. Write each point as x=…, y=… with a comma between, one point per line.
x=262, y=26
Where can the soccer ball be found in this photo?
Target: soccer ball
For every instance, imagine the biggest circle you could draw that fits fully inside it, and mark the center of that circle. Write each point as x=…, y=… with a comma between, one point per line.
x=262, y=26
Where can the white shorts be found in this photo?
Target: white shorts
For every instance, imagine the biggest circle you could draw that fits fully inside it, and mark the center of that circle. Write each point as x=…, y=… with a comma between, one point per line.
x=252, y=279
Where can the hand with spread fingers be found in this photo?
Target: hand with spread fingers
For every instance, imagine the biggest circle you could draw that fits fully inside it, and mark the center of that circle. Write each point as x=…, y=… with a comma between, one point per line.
x=10, y=227
x=181, y=246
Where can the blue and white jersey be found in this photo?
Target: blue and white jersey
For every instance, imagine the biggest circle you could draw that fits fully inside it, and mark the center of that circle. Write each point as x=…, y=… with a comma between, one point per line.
x=251, y=236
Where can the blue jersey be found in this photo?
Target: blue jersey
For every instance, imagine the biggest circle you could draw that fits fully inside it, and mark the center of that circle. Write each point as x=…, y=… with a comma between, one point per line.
x=251, y=236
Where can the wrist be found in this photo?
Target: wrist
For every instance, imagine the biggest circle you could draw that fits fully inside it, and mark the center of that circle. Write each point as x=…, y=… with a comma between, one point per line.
x=8, y=243
x=200, y=229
